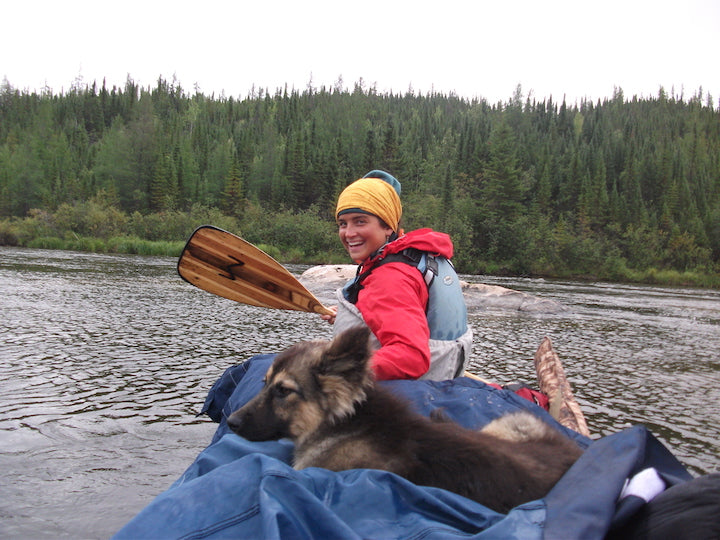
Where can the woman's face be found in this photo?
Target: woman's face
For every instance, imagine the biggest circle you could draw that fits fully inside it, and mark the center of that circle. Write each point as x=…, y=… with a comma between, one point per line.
x=362, y=234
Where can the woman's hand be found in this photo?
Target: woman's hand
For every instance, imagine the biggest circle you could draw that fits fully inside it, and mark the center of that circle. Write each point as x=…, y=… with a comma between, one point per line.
x=330, y=318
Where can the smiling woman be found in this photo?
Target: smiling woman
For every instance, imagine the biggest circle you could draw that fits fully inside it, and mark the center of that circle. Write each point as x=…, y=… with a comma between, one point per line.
x=406, y=291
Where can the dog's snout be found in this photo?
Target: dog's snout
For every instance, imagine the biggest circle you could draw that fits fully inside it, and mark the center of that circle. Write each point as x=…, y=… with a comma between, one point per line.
x=254, y=424
x=235, y=422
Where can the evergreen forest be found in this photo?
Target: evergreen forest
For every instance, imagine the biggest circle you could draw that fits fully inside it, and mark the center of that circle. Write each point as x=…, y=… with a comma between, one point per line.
x=622, y=189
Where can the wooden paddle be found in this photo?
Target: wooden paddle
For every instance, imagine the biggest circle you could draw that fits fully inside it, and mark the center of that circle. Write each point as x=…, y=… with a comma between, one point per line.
x=224, y=264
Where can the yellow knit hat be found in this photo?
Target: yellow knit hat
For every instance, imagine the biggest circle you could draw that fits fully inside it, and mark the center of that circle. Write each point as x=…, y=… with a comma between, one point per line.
x=373, y=195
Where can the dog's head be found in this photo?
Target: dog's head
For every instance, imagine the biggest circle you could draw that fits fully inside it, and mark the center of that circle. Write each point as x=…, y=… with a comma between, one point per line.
x=313, y=383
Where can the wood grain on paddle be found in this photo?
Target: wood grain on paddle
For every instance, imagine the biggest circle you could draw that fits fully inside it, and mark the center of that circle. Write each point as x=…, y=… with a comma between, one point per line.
x=226, y=265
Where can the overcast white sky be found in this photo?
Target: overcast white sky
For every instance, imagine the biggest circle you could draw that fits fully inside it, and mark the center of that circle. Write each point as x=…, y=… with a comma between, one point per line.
x=481, y=48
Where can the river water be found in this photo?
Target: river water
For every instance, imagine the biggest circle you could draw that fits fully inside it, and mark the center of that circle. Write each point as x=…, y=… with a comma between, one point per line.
x=106, y=359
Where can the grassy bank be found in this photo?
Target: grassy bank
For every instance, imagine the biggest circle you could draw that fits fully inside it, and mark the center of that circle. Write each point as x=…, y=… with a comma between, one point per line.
x=97, y=226
x=124, y=244
x=132, y=245
x=304, y=238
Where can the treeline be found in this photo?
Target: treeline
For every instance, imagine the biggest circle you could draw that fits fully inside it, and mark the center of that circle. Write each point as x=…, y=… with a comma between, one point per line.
x=615, y=189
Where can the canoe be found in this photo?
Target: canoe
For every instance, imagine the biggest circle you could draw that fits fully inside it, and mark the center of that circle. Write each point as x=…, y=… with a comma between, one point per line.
x=239, y=489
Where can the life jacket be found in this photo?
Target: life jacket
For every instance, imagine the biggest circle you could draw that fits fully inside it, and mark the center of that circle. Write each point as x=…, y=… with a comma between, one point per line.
x=446, y=311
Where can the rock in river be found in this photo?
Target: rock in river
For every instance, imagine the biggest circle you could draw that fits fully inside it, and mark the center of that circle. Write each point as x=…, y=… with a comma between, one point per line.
x=477, y=295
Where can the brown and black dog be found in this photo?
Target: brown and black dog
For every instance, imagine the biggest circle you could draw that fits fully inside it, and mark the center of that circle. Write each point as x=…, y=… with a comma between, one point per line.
x=322, y=396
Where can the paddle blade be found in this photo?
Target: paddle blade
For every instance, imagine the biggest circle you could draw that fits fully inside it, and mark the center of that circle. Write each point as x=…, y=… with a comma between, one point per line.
x=226, y=265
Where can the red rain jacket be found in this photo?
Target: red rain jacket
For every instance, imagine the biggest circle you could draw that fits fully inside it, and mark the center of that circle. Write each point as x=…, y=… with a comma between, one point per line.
x=393, y=302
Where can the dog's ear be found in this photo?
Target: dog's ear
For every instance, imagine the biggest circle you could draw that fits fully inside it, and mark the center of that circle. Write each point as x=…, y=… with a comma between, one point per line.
x=344, y=373
x=348, y=355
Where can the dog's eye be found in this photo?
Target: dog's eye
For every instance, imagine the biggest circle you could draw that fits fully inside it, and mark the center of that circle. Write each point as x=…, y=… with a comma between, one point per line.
x=282, y=391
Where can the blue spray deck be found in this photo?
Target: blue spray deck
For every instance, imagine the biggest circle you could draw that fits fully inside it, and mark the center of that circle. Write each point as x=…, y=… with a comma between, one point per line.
x=240, y=489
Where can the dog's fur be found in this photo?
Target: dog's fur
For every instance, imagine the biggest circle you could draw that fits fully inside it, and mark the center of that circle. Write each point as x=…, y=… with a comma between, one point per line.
x=322, y=396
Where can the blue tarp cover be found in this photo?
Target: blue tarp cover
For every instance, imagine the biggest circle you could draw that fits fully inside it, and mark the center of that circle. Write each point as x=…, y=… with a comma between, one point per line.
x=240, y=489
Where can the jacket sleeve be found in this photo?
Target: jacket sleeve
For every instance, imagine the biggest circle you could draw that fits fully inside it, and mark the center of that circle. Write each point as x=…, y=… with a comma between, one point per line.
x=393, y=303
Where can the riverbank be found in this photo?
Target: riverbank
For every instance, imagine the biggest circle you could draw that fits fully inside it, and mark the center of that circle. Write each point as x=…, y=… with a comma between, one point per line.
x=133, y=245
x=310, y=237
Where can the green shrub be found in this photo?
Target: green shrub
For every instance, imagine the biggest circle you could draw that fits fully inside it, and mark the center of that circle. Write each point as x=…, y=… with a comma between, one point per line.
x=8, y=233
x=89, y=218
x=296, y=234
x=177, y=225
